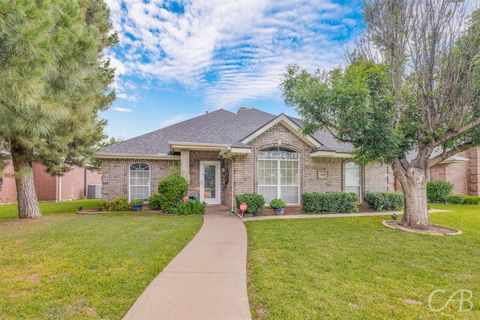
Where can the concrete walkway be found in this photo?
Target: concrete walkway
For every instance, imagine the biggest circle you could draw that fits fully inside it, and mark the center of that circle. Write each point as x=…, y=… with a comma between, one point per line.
x=333, y=215
x=206, y=280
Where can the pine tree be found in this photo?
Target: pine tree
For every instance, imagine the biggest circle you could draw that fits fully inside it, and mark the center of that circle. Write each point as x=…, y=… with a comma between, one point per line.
x=54, y=80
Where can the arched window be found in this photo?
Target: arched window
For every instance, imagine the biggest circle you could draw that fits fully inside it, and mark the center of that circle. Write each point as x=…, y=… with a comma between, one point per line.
x=352, y=178
x=139, y=181
x=279, y=175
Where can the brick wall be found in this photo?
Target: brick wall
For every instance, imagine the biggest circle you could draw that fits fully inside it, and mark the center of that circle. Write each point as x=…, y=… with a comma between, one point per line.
x=473, y=171
x=378, y=177
x=45, y=184
x=8, y=191
x=115, y=175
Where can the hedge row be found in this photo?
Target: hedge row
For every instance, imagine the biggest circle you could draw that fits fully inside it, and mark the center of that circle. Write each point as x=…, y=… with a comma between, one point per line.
x=385, y=200
x=341, y=202
x=462, y=199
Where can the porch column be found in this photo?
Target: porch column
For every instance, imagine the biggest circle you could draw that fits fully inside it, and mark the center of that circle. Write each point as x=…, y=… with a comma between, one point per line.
x=185, y=164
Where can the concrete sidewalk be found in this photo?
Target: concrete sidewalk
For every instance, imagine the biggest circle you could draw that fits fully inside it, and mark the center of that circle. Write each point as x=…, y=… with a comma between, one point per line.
x=206, y=280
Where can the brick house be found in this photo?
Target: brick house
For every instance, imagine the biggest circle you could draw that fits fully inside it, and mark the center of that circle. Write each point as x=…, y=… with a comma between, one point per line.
x=225, y=154
x=72, y=185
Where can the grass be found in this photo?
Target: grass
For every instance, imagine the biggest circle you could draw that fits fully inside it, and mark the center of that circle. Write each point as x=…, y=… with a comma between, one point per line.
x=66, y=266
x=9, y=211
x=354, y=268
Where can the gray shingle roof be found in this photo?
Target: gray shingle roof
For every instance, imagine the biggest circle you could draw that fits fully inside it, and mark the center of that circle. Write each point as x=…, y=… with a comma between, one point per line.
x=218, y=127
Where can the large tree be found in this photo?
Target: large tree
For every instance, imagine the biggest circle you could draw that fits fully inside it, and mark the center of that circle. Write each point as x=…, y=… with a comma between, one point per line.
x=54, y=79
x=409, y=96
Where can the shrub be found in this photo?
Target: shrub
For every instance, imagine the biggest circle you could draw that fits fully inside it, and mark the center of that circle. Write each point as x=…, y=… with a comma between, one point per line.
x=185, y=208
x=171, y=189
x=277, y=204
x=154, y=202
x=136, y=202
x=344, y=202
x=437, y=191
x=119, y=204
x=255, y=202
x=462, y=199
x=196, y=207
x=385, y=200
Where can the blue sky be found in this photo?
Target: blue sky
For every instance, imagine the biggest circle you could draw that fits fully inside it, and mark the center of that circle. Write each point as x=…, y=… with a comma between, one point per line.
x=179, y=59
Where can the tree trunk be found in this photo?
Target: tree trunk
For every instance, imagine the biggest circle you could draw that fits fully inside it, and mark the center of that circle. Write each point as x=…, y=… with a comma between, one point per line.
x=414, y=186
x=26, y=195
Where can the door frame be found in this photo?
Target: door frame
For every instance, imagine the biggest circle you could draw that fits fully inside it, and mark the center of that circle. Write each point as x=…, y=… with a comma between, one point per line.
x=218, y=193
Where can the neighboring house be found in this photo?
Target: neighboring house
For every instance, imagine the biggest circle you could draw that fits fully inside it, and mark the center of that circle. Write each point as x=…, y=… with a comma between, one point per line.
x=226, y=154
x=72, y=185
x=461, y=170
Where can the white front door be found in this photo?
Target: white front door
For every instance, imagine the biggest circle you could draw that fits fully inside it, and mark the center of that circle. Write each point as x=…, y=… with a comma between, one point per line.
x=210, y=182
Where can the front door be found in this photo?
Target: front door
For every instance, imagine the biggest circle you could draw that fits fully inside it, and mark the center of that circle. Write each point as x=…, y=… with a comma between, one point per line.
x=210, y=182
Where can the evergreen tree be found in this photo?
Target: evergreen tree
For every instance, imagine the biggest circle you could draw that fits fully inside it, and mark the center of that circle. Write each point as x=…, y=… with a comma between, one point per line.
x=54, y=80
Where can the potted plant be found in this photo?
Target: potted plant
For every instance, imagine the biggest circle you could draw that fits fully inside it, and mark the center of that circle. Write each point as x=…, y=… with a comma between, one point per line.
x=278, y=206
x=136, y=204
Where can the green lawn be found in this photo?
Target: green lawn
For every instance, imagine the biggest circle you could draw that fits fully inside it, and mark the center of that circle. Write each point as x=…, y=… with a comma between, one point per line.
x=354, y=268
x=67, y=266
x=9, y=211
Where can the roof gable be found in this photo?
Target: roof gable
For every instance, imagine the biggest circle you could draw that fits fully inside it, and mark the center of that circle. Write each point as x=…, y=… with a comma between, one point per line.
x=289, y=124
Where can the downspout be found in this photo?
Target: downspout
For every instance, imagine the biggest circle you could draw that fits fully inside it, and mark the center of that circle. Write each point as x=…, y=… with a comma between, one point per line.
x=85, y=182
x=59, y=188
x=233, y=184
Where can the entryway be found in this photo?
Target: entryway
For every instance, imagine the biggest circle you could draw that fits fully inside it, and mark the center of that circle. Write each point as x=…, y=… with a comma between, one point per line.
x=210, y=191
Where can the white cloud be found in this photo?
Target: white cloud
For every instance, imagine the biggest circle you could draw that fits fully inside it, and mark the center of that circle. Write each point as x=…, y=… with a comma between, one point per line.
x=122, y=109
x=174, y=119
x=233, y=50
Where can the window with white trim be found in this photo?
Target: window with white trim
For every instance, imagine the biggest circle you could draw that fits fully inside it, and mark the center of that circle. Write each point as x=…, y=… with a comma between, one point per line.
x=352, y=178
x=279, y=175
x=139, y=181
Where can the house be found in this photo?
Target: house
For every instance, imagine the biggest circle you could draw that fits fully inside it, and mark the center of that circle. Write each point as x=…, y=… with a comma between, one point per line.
x=226, y=154
x=461, y=170
x=72, y=185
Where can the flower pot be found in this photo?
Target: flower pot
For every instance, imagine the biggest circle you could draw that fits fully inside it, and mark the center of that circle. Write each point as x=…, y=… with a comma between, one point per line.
x=279, y=210
x=136, y=207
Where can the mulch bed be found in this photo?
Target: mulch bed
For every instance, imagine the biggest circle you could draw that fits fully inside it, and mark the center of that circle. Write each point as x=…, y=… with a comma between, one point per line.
x=433, y=229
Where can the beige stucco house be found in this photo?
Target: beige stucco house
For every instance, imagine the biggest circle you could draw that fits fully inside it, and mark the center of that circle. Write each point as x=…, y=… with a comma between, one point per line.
x=225, y=154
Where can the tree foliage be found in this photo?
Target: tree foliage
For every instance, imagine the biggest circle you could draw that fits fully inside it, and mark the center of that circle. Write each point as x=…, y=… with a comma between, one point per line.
x=411, y=88
x=54, y=80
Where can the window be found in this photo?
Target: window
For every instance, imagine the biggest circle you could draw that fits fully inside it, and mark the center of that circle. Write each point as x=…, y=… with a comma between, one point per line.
x=139, y=181
x=279, y=175
x=352, y=178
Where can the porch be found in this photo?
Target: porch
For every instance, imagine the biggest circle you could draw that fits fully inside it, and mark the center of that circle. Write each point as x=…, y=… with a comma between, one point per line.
x=209, y=174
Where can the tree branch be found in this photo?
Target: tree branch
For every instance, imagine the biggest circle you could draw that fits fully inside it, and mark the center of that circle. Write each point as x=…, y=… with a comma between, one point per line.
x=450, y=153
x=456, y=132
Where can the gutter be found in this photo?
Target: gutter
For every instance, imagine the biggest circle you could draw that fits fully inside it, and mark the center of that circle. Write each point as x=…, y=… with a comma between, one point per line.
x=158, y=156
x=330, y=154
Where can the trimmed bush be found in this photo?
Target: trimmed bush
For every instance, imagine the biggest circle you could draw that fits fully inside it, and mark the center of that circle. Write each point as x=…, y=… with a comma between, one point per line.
x=171, y=189
x=385, y=200
x=186, y=208
x=277, y=204
x=437, y=191
x=119, y=204
x=333, y=202
x=255, y=202
x=154, y=202
x=462, y=199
